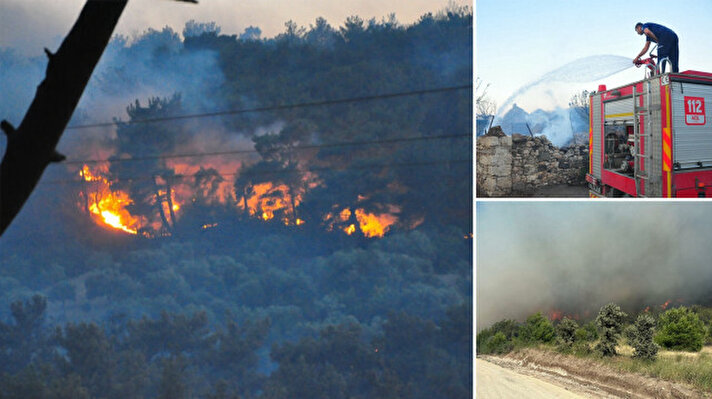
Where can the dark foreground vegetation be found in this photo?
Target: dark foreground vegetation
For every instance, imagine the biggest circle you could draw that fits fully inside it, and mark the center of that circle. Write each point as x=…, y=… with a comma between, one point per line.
x=217, y=302
x=181, y=356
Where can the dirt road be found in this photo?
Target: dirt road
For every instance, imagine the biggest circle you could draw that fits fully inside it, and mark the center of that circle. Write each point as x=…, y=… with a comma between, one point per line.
x=535, y=373
x=495, y=382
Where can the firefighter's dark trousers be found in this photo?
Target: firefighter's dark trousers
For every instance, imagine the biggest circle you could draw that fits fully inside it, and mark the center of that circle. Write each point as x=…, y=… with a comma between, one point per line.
x=670, y=50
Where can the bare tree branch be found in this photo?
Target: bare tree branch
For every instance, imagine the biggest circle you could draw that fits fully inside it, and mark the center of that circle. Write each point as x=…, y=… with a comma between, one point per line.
x=32, y=146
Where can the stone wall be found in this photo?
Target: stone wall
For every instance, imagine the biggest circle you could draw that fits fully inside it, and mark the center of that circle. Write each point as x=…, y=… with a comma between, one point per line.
x=494, y=166
x=518, y=165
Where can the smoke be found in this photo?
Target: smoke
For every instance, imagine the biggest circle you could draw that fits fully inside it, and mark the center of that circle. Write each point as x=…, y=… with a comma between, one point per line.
x=19, y=78
x=154, y=64
x=585, y=69
x=557, y=125
x=576, y=257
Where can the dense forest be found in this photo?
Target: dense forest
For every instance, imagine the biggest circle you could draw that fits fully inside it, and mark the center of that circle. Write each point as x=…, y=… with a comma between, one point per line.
x=313, y=242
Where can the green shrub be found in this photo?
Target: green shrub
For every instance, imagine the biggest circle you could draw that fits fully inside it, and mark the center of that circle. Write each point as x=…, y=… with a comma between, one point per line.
x=592, y=331
x=499, y=344
x=680, y=329
x=509, y=328
x=641, y=338
x=537, y=328
x=566, y=331
x=581, y=335
x=610, y=325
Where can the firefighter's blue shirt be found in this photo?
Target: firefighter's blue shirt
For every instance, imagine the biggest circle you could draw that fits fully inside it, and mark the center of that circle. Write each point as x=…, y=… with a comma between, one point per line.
x=664, y=35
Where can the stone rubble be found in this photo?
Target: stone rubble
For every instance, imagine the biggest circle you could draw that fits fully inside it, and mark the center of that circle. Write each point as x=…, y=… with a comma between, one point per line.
x=517, y=165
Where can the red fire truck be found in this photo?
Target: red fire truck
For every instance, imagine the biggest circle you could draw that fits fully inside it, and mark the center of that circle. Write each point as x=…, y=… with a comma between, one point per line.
x=652, y=138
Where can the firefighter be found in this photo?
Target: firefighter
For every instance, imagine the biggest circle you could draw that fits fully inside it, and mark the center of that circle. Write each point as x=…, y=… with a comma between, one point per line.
x=666, y=40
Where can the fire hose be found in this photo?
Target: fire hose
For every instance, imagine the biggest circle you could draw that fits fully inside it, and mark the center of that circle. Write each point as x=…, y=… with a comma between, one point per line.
x=648, y=62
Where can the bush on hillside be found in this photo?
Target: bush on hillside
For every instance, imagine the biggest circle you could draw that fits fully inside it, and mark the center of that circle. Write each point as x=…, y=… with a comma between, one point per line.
x=610, y=325
x=537, y=328
x=680, y=329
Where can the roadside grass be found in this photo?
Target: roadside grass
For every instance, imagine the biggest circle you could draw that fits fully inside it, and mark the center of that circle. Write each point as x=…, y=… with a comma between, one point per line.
x=694, y=368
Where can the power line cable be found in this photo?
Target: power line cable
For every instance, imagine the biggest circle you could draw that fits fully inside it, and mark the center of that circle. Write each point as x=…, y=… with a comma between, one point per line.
x=251, y=151
x=277, y=107
x=277, y=171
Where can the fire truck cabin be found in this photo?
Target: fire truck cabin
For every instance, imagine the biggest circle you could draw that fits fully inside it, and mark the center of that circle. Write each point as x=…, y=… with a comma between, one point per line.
x=652, y=138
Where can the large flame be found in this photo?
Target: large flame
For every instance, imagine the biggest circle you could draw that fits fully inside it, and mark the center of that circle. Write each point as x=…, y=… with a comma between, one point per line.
x=108, y=207
x=373, y=225
x=370, y=224
x=268, y=199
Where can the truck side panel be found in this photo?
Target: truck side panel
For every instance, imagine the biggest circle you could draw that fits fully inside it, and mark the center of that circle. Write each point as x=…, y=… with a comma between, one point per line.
x=597, y=133
x=654, y=186
x=692, y=144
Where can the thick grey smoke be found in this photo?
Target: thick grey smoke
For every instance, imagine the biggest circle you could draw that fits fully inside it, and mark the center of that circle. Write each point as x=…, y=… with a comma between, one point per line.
x=153, y=64
x=577, y=256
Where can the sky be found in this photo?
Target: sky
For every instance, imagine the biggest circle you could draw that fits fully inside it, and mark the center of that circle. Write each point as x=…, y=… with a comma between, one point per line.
x=517, y=41
x=575, y=257
x=34, y=24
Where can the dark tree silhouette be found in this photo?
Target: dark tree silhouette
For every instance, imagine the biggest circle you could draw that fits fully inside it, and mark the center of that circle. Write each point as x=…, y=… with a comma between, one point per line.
x=31, y=147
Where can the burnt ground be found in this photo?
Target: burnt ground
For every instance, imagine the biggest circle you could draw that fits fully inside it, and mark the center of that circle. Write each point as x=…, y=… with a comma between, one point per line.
x=589, y=378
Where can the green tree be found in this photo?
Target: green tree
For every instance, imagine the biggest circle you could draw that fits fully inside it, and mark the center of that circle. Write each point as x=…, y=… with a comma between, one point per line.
x=642, y=338
x=566, y=331
x=486, y=343
x=90, y=355
x=680, y=329
x=537, y=328
x=173, y=379
x=610, y=324
x=498, y=343
x=24, y=340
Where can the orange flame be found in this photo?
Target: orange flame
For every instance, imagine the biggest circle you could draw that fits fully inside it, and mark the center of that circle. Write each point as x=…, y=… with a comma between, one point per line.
x=345, y=214
x=555, y=314
x=267, y=199
x=108, y=207
x=350, y=229
x=370, y=224
x=373, y=225
x=665, y=305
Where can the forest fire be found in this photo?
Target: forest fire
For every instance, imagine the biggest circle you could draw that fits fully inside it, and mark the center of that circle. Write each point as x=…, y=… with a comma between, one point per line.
x=370, y=224
x=373, y=225
x=107, y=207
x=266, y=201
x=268, y=198
x=555, y=314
